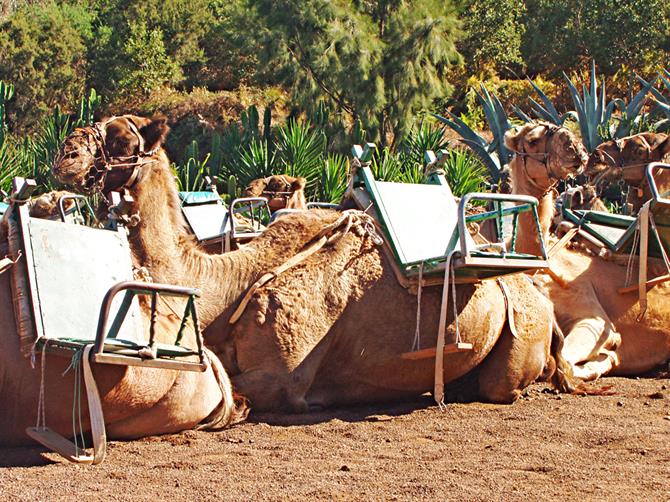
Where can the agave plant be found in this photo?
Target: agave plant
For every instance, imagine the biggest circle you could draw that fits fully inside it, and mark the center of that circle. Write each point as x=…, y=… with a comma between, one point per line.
x=464, y=172
x=333, y=181
x=595, y=116
x=662, y=102
x=493, y=154
x=257, y=160
x=300, y=151
x=425, y=137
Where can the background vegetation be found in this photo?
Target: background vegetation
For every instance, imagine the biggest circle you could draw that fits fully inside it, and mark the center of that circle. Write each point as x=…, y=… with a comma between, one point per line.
x=258, y=86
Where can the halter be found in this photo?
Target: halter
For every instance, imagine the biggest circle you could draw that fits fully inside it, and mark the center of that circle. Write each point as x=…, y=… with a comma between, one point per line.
x=622, y=166
x=105, y=165
x=285, y=194
x=542, y=157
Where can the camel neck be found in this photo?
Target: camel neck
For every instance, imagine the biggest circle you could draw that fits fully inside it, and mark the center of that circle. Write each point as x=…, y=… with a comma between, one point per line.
x=528, y=240
x=161, y=244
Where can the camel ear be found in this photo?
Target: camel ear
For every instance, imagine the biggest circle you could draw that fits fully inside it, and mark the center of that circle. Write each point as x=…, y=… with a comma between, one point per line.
x=512, y=138
x=154, y=133
x=299, y=184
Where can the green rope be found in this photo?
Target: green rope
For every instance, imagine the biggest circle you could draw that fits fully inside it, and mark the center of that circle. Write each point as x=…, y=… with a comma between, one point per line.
x=75, y=365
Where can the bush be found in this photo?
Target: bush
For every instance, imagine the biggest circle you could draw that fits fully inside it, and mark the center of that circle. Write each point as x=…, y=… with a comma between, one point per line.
x=43, y=52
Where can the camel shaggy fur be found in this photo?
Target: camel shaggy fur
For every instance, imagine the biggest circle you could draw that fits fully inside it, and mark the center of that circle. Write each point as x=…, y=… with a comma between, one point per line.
x=331, y=329
x=603, y=335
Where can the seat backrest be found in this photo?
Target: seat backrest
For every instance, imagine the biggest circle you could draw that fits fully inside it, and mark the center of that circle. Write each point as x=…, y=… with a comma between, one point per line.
x=70, y=269
x=206, y=214
x=421, y=220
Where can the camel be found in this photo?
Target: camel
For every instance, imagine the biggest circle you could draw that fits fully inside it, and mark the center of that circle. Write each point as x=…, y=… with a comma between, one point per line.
x=281, y=191
x=626, y=159
x=136, y=401
x=330, y=329
x=603, y=335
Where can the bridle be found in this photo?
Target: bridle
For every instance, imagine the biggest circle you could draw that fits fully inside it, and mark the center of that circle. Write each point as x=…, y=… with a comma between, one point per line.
x=284, y=194
x=106, y=166
x=542, y=157
x=621, y=166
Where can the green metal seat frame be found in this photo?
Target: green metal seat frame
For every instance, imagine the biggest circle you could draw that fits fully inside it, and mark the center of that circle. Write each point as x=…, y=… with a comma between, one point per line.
x=53, y=296
x=448, y=232
x=616, y=231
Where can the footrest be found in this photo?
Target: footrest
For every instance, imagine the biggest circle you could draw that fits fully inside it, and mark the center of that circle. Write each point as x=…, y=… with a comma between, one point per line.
x=57, y=443
x=429, y=353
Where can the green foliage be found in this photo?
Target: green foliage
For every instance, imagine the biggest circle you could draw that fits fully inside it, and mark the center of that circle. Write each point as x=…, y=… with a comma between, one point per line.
x=464, y=172
x=494, y=154
x=662, y=101
x=561, y=34
x=301, y=151
x=43, y=52
x=190, y=174
x=334, y=176
x=594, y=114
x=494, y=33
x=381, y=61
x=145, y=65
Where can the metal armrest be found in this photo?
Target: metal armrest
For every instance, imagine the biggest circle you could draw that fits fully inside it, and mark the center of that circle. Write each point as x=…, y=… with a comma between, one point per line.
x=133, y=288
x=530, y=204
x=253, y=203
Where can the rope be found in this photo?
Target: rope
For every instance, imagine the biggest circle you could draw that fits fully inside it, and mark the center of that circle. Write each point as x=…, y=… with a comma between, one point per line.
x=75, y=364
x=7, y=262
x=438, y=390
x=41, y=404
x=327, y=235
x=631, y=255
x=417, y=332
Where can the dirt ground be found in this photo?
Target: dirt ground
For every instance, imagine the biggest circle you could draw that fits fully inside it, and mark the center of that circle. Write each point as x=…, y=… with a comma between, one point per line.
x=545, y=446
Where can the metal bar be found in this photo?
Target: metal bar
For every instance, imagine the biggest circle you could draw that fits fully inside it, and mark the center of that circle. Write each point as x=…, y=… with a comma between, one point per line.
x=472, y=218
x=652, y=181
x=184, y=319
x=527, y=199
x=152, y=321
x=198, y=333
x=138, y=288
x=121, y=314
x=515, y=228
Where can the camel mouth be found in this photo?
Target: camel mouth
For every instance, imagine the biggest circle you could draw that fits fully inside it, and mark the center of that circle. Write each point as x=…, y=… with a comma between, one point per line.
x=79, y=163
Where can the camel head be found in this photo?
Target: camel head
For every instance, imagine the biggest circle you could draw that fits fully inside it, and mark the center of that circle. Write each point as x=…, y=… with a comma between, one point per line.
x=281, y=191
x=627, y=158
x=46, y=205
x=110, y=154
x=544, y=154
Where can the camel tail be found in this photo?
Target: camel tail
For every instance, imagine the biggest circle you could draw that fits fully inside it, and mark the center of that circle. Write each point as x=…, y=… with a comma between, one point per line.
x=233, y=409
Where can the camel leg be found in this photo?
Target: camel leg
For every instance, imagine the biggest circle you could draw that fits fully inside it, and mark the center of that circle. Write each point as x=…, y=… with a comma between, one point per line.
x=600, y=365
x=592, y=337
x=516, y=361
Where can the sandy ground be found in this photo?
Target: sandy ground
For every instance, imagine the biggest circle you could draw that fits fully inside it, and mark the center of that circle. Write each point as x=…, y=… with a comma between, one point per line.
x=545, y=446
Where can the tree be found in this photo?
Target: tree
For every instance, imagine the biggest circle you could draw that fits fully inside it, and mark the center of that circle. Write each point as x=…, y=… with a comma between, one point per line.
x=494, y=31
x=43, y=53
x=561, y=34
x=378, y=61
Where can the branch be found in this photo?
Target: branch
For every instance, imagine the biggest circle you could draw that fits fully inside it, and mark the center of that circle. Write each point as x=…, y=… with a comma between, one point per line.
x=333, y=95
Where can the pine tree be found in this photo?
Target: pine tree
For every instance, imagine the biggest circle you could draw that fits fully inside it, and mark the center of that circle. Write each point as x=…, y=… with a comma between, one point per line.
x=380, y=62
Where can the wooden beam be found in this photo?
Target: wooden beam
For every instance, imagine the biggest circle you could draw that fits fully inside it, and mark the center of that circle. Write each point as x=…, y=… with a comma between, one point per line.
x=450, y=348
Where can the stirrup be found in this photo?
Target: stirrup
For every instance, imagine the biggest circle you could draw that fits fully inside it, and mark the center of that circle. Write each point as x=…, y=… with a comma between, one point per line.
x=66, y=448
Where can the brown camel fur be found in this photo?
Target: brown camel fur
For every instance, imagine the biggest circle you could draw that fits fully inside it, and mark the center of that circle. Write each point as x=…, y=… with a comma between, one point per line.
x=330, y=330
x=627, y=159
x=281, y=191
x=136, y=401
x=602, y=333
